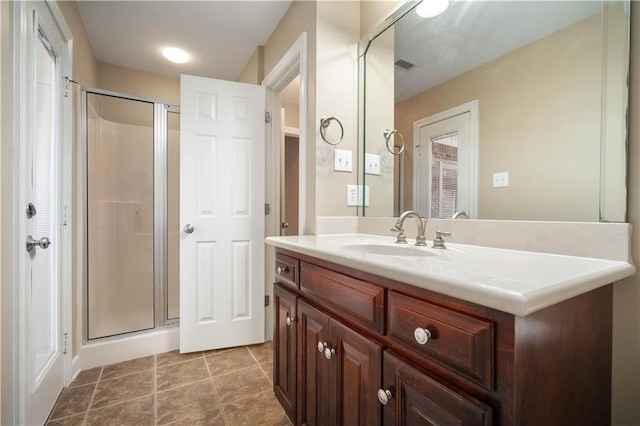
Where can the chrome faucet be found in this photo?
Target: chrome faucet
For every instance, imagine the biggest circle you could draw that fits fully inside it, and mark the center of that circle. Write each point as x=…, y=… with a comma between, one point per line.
x=421, y=222
x=460, y=215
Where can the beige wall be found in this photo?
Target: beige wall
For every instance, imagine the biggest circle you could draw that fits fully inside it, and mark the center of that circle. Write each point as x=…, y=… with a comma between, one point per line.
x=380, y=117
x=626, y=294
x=336, y=95
x=253, y=72
x=299, y=18
x=138, y=83
x=291, y=115
x=84, y=63
x=523, y=121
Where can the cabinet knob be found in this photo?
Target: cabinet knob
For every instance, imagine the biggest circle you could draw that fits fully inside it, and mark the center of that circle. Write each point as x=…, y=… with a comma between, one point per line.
x=384, y=396
x=422, y=335
x=329, y=353
x=322, y=346
x=290, y=320
x=282, y=270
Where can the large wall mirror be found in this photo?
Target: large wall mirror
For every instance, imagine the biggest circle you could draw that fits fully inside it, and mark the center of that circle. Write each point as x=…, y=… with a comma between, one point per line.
x=513, y=110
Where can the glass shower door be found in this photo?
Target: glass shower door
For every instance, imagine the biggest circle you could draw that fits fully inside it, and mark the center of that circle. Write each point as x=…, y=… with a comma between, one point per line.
x=120, y=222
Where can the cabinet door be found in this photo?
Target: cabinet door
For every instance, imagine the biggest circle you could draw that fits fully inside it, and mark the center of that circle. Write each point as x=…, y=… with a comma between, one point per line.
x=284, y=348
x=417, y=399
x=355, y=372
x=313, y=369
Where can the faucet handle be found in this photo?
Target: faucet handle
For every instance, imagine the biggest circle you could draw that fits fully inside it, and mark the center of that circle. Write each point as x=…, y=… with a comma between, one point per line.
x=438, y=241
x=401, y=238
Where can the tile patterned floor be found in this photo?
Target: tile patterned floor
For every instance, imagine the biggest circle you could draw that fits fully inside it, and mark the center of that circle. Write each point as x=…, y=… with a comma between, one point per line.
x=224, y=387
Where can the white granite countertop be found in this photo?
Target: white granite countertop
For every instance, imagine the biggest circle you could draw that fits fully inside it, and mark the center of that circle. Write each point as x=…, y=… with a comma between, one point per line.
x=517, y=282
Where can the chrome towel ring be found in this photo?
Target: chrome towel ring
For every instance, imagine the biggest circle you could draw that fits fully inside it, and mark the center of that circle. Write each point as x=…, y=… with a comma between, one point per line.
x=324, y=123
x=392, y=149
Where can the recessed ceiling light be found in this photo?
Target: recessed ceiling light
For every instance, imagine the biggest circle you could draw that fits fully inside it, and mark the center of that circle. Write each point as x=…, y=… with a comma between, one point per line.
x=176, y=55
x=431, y=8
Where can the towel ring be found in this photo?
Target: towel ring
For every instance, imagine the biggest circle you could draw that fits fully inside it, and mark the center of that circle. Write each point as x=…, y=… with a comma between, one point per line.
x=387, y=137
x=324, y=123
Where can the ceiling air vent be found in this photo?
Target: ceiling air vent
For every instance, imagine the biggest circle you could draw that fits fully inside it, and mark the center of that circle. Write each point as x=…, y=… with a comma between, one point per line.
x=404, y=64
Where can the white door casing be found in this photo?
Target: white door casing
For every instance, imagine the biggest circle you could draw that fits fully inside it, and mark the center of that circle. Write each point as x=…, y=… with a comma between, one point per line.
x=222, y=197
x=42, y=172
x=462, y=119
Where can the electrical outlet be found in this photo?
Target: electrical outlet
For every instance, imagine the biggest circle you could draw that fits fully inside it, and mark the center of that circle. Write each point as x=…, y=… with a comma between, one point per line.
x=372, y=164
x=342, y=160
x=354, y=195
x=501, y=180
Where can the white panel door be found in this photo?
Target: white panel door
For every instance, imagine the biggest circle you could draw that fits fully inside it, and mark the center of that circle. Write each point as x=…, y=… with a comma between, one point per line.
x=460, y=126
x=41, y=358
x=222, y=184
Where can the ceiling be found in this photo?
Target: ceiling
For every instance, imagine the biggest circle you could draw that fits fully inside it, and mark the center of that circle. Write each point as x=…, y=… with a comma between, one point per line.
x=220, y=36
x=471, y=33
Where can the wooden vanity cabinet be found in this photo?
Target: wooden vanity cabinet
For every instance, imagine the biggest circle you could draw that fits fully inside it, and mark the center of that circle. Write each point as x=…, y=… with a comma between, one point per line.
x=313, y=370
x=285, y=349
x=479, y=366
x=415, y=398
x=338, y=368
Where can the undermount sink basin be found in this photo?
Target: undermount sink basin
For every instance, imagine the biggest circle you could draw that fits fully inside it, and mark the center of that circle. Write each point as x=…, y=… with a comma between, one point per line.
x=387, y=249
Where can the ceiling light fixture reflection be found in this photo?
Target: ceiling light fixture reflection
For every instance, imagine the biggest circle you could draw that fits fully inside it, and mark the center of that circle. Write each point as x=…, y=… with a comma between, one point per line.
x=431, y=8
x=175, y=55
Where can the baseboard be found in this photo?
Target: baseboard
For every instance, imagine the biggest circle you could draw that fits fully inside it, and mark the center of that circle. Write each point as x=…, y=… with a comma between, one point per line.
x=97, y=354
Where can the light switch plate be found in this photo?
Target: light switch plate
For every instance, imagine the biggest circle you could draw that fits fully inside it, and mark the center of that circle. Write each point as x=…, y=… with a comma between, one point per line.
x=372, y=164
x=501, y=180
x=342, y=160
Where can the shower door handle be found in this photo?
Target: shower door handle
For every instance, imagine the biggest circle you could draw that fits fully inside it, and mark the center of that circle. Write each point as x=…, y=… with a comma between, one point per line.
x=188, y=228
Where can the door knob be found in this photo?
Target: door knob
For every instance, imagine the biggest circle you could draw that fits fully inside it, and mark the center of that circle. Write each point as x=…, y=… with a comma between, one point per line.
x=43, y=243
x=290, y=320
x=322, y=346
x=188, y=228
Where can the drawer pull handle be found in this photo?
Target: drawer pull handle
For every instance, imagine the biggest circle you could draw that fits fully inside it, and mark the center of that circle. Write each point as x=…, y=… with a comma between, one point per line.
x=422, y=335
x=290, y=320
x=282, y=270
x=329, y=353
x=322, y=346
x=384, y=396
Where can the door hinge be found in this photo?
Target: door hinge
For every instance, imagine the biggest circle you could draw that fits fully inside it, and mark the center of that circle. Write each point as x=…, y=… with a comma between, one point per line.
x=266, y=300
x=267, y=117
x=66, y=343
x=267, y=209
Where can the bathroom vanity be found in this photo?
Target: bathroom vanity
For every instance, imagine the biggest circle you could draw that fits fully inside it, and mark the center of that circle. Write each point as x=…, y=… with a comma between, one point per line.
x=369, y=333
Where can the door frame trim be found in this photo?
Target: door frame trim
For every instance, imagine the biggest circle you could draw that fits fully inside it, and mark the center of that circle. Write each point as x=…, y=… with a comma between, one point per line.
x=292, y=64
x=21, y=23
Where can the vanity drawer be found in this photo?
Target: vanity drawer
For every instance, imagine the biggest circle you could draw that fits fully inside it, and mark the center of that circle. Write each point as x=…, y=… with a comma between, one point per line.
x=287, y=270
x=361, y=301
x=458, y=341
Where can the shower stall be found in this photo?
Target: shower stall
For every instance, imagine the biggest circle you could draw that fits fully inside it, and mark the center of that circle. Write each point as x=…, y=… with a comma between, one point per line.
x=132, y=160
